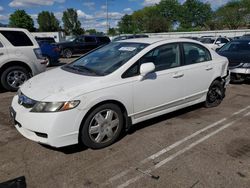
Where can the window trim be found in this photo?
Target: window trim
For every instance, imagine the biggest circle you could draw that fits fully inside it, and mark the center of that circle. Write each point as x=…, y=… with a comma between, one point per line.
x=137, y=62
x=195, y=44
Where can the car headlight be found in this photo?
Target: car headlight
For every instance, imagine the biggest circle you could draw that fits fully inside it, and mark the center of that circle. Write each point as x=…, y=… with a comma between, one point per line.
x=246, y=65
x=54, y=106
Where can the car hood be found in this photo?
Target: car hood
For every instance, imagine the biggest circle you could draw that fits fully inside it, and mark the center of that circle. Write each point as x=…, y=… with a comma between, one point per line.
x=59, y=85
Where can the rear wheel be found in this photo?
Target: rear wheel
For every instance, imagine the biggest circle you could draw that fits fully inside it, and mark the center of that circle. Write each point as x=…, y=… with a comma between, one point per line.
x=13, y=77
x=67, y=53
x=102, y=127
x=215, y=94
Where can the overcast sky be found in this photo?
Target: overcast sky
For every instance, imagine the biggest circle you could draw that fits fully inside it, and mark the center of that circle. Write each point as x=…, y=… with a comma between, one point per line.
x=92, y=13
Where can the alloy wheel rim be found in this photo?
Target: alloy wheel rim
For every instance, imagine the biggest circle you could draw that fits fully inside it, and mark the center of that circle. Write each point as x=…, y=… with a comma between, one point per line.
x=214, y=95
x=68, y=53
x=104, y=126
x=16, y=78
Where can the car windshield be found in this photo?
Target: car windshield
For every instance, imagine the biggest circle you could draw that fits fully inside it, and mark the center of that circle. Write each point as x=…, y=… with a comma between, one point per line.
x=207, y=40
x=106, y=59
x=236, y=46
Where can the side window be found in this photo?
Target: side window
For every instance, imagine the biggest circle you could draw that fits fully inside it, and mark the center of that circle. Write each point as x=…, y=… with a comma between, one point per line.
x=223, y=40
x=194, y=53
x=90, y=39
x=1, y=45
x=164, y=57
x=17, y=38
x=80, y=40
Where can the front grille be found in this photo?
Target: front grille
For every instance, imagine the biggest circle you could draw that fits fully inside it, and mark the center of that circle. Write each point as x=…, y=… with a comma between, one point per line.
x=26, y=101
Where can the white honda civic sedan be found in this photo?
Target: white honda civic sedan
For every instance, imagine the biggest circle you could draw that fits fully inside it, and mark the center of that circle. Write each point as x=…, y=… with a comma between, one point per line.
x=93, y=99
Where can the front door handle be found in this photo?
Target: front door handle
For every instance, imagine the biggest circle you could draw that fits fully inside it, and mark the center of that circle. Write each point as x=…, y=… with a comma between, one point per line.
x=1, y=53
x=178, y=75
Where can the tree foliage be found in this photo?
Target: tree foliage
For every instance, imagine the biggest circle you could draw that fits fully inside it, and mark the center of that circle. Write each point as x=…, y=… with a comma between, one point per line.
x=21, y=19
x=71, y=23
x=233, y=15
x=47, y=22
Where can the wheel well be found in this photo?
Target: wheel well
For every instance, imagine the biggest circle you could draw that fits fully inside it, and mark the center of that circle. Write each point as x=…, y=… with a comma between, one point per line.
x=15, y=63
x=121, y=106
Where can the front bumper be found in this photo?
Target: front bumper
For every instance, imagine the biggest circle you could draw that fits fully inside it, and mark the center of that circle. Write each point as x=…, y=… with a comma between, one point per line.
x=240, y=70
x=56, y=129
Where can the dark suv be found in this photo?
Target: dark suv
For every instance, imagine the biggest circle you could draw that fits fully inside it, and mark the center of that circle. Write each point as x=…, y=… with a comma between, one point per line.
x=81, y=44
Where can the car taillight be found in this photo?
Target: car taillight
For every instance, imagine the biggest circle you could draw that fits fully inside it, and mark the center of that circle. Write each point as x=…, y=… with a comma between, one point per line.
x=56, y=49
x=38, y=53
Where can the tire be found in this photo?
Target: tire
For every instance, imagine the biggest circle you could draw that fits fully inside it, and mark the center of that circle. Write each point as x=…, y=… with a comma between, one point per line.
x=13, y=77
x=236, y=78
x=67, y=53
x=215, y=94
x=49, y=61
x=97, y=135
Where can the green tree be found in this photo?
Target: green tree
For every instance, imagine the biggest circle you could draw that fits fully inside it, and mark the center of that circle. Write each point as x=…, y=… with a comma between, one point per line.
x=195, y=14
x=233, y=15
x=155, y=22
x=91, y=31
x=170, y=10
x=47, y=21
x=126, y=24
x=21, y=19
x=112, y=31
x=71, y=23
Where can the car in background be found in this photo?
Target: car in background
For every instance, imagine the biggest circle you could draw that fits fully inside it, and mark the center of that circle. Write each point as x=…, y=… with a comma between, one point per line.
x=238, y=54
x=49, y=49
x=124, y=37
x=214, y=42
x=81, y=44
x=93, y=99
x=49, y=40
x=20, y=57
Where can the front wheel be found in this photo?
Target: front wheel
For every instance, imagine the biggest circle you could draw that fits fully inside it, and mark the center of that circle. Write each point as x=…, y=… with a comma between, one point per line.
x=215, y=94
x=102, y=126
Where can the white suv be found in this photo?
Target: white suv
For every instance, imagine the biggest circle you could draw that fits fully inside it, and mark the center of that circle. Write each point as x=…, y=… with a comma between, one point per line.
x=20, y=57
x=94, y=98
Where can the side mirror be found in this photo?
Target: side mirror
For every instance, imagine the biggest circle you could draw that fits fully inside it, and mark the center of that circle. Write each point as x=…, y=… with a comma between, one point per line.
x=145, y=69
x=218, y=42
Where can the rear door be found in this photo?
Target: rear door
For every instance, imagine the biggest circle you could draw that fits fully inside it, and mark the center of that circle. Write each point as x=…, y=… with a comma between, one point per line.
x=198, y=70
x=90, y=43
x=3, y=52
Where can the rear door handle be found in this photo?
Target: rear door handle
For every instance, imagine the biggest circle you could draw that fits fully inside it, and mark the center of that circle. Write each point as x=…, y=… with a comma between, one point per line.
x=209, y=68
x=178, y=75
x=1, y=53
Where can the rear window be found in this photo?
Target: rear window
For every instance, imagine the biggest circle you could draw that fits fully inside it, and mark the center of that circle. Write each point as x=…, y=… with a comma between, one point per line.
x=17, y=38
x=104, y=39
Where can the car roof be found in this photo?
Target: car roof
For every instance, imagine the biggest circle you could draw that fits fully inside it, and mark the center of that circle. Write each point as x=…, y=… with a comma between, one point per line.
x=241, y=40
x=12, y=29
x=154, y=40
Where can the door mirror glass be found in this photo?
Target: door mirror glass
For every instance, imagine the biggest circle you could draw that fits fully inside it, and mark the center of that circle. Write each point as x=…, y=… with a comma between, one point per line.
x=146, y=68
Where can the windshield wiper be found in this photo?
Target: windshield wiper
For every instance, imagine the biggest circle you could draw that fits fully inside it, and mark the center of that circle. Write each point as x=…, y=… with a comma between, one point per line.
x=81, y=67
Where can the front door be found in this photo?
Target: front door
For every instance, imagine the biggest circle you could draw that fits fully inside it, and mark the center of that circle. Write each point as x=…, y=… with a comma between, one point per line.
x=163, y=88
